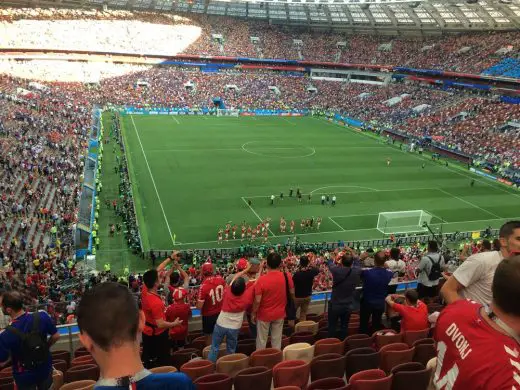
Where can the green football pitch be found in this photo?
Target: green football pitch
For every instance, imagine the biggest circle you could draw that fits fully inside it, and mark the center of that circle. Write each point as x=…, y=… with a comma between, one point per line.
x=191, y=175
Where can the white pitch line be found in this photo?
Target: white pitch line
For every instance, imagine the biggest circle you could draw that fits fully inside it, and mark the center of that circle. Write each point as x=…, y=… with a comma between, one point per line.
x=342, y=186
x=240, y=149
x=193, y=150
x=153, y=180
x=175, y=119
x=436, y=216
x=354, y=192
x=313, y=151
x=351, y=215
x=255, y=213
x=471, y=204
x=288, y=121
x=337, y=224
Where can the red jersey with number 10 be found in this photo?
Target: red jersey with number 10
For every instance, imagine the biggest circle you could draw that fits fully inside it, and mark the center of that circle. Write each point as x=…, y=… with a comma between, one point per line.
x=211, y=292
x=471, y=355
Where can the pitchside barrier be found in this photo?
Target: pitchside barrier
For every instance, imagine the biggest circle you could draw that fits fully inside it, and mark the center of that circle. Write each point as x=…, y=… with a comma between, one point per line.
x=319, y=304
x=401, y=240
x=87, y=202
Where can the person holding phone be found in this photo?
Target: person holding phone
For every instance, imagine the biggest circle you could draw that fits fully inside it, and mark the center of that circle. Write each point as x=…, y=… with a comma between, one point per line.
x=156, y=346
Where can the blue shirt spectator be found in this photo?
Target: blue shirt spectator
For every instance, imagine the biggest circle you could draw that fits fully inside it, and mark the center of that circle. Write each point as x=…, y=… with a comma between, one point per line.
x=345, y=279
x=375, y=289
x=11, y=344
x=375, y=286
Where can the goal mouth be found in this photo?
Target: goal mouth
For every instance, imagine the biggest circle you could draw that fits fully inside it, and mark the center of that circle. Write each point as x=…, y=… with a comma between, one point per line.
x=403, y=222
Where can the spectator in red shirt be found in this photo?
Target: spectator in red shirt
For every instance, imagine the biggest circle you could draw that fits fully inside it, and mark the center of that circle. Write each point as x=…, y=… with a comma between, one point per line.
x=270, y=302
x=209, y=301
x=176, y=277
x=179, y=309
x=156, y=350
x=414, y=313
x=478, y=346
x=250, y=277
x=237, y=299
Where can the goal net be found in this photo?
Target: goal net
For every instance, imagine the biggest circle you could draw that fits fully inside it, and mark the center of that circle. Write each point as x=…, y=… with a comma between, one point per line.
x=397, y=222
x=227, y=112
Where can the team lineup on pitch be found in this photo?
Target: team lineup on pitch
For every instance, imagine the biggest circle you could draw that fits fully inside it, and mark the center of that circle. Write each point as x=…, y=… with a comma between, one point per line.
x=194, y=178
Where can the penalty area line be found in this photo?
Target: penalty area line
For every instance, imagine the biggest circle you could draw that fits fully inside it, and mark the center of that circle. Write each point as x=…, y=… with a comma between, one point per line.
x=255, y=213
x=469, y=203
x=335, y=223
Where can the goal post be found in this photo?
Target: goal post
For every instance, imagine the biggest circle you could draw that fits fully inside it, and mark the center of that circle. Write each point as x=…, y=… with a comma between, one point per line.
x=400, y=222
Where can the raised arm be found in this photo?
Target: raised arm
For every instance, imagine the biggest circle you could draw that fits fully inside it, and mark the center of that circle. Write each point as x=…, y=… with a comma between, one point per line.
x=184, y=275
x=390, y=300
x=241, y=273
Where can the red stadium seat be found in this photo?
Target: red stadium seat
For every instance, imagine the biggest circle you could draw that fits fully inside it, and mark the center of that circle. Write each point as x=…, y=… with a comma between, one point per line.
x=291, y=373
x=394, y=354
x=371, y=380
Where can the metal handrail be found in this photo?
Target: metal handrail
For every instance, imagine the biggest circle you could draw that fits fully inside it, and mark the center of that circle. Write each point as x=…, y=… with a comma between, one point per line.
x=72, y=329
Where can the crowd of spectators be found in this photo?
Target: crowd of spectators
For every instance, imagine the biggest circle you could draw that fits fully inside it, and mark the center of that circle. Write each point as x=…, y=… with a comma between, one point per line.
x=44, y=129
x=208, y=35
x=461, y=127
x=43, y=137
x=44, y=132
x=124, y=206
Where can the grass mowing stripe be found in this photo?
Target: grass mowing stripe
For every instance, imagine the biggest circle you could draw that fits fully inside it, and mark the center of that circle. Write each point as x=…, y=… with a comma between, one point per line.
x=468, y=202
x=474, y=176
x=153, y=180
x=205, y=190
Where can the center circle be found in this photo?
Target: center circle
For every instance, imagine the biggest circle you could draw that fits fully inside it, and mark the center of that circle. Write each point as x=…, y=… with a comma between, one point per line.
x=278, y=150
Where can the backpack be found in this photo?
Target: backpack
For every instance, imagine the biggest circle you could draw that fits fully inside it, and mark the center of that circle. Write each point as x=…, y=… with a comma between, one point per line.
x=435, y=271
x=34, y=349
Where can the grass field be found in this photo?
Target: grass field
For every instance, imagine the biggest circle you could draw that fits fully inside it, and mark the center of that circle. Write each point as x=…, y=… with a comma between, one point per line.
x=191, y=175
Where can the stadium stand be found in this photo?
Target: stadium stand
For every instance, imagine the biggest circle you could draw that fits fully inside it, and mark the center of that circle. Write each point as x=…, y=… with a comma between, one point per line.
x=224, y=36
x=508, y=67
x=43, y=129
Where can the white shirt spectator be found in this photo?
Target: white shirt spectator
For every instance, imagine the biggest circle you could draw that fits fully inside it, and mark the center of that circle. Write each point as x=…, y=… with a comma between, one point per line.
x=71, y=307
x=398, y=266
x=476, y=275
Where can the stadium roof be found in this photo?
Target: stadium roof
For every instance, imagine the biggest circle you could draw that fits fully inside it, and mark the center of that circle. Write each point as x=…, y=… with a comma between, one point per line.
x=390, y=16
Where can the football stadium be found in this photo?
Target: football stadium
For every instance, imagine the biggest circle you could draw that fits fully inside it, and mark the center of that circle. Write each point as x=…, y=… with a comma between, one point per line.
x=260, y=194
